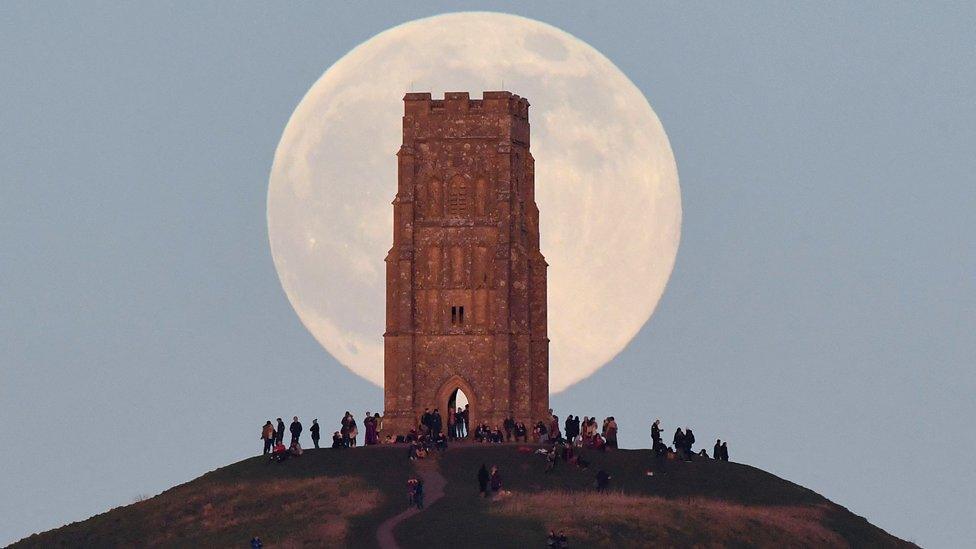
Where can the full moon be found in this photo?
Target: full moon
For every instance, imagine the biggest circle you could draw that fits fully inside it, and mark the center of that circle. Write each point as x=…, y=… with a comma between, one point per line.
x=606, y=184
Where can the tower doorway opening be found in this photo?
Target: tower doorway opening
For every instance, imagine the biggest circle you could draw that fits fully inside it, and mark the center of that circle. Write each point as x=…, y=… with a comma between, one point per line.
x=459, y=400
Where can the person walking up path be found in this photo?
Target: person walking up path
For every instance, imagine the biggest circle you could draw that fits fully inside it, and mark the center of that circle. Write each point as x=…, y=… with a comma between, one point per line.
x=433, y=490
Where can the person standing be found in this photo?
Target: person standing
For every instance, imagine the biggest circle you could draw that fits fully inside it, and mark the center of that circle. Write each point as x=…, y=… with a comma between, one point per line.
x=725, y=451
x=314, y=429
x=495, y=480
x=268, y=435
x=466, y=417
x=280, y=432
x=655, y=433
x=436, y=423
x=689, y=441
x=717, y=449
x=483, y=478
x=296, y=430
x=679, y=440
x=509, y=426
x=612, y=433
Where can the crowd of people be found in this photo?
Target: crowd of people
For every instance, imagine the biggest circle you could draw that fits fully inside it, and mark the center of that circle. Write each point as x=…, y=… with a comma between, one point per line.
x=431, y=435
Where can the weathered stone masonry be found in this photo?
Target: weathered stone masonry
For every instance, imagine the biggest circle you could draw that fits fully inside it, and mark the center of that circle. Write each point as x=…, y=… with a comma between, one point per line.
x=465, y=280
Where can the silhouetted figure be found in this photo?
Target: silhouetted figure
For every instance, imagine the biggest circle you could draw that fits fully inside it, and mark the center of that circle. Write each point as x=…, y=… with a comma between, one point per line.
x=280, y=431
x=679, y=440
x=337, y=440
x=436, y=423
x=602, y=480
x=425, y=419
x=655, y=433
x=571, y=428
x=314, y=429
x=418, y=495
x=483, y=478
x=509, y=425
x=268, y=435
x=725, y=451
x=717, y=449
x=495, y=479
x=296, y=430
x=689, y=440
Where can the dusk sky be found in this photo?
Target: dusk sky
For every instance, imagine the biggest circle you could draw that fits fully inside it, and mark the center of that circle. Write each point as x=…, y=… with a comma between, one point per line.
x=819, y=317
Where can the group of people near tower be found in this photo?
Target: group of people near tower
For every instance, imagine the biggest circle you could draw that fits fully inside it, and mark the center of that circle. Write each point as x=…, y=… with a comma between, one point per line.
x=431, y=434
x=274, y=436
x=683, y=444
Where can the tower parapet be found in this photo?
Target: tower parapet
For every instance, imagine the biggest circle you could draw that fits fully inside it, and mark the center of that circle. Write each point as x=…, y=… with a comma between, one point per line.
x=492, y=102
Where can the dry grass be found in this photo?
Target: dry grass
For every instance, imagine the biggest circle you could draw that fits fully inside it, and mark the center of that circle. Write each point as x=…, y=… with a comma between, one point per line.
x=615, y=519
x=288, y=512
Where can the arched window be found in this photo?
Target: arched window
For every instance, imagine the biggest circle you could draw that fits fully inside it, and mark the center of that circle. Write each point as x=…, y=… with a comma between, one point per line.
x=457, y=197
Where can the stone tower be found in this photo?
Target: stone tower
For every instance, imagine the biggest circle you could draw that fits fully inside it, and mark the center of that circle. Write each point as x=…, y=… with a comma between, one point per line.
x=465, y=280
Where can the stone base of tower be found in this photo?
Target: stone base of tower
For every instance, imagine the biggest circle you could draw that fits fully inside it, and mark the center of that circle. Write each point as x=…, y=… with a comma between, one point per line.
x=399, y=422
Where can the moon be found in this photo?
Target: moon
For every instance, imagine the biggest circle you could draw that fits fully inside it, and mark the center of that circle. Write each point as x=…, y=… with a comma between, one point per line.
x=606, y=184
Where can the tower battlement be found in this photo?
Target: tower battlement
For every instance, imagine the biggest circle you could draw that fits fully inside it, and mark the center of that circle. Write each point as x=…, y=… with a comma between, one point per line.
x=491, y=102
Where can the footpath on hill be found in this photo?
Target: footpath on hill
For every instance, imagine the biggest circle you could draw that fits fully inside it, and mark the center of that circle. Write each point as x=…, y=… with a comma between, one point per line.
x=434, y=484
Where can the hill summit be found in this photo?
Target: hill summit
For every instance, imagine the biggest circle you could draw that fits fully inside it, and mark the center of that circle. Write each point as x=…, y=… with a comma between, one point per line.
x=357, y=497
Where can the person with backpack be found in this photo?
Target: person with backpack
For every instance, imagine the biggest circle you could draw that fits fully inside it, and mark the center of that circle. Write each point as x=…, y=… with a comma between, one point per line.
x=268, y=435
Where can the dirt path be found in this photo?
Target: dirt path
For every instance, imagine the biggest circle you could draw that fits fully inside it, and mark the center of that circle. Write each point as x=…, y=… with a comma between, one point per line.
x=433, y=490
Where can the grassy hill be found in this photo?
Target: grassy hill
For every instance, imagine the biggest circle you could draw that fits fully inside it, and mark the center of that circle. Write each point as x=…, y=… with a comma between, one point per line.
x=339, y=497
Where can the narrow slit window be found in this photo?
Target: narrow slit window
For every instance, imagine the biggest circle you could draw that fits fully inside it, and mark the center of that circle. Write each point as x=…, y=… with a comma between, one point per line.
x=454, y=314
x=461, y=314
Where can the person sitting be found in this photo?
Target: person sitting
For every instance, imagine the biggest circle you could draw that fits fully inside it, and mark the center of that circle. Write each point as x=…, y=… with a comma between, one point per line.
x=497, y=437
x=599, y=443
x=388, y=440
x=441, y=442
x=295, y=449
x=337, y=441
x=280, y=453
x=521, y=431
x=703, y=453
x=551, y=460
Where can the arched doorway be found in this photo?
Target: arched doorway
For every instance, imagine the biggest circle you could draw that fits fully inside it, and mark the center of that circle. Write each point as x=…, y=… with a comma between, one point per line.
x=457, y=393
x=459, y=401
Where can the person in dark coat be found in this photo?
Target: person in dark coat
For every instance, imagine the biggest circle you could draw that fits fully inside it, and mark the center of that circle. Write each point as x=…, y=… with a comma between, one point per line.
x=483, y=477
x=689, y=440
x=280, y=431
x=509, y=425
x=725, y=451
x=296, y=430
x=425, y=419
x=418, y=493
x=314, y=429
x=717, y=449
x=337, y=440
x=436, y=423
x=679, y=440
x=655, y=433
